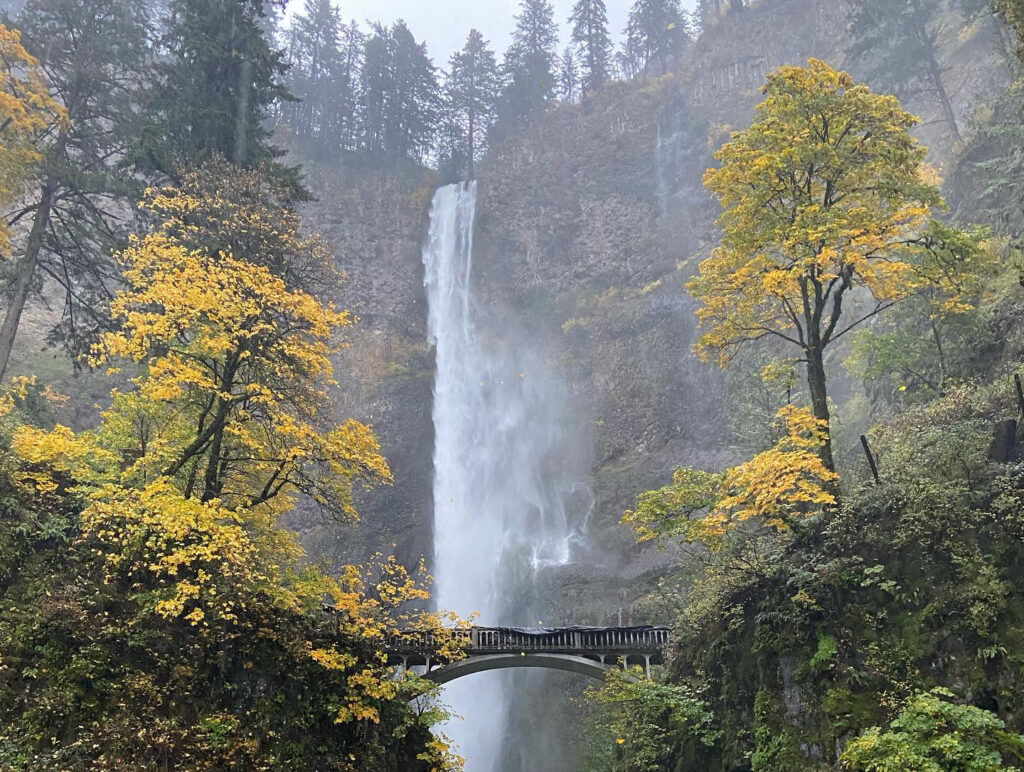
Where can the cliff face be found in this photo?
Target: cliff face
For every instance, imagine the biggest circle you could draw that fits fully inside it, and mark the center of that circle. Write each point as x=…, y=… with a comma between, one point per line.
x=376, y=225
x=589, y=223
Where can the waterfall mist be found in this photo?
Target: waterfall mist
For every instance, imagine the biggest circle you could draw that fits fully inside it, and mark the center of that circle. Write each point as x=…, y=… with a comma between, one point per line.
x=510, y=496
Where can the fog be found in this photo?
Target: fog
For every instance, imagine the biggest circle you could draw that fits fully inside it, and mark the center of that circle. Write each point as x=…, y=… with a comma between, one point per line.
x=444, y=24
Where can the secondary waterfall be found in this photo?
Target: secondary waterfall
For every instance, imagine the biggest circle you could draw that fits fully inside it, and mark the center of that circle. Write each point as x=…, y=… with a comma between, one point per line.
x=506, y=491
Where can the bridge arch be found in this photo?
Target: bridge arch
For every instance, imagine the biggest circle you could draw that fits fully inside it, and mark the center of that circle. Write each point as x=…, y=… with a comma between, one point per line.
x=570, y=663
x=587, y=651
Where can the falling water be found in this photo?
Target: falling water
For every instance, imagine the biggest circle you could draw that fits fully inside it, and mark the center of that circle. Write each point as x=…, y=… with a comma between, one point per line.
x=507, y=490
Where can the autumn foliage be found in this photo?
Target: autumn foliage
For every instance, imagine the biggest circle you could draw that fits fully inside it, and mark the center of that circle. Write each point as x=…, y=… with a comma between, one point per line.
x=26, y=112
x=174, y=499
x=826, y=194
x=774, y=489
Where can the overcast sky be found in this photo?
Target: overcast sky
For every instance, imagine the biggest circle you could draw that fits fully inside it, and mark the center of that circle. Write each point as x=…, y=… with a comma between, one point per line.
x=444, y=24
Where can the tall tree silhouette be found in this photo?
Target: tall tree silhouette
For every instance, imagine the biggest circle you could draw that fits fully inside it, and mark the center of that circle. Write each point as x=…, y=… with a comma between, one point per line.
x=399, y=95
x=471, y=91
x=590, y=34
x=657, y=32
x=316, y=79
x=217, y=83
x=531, y=60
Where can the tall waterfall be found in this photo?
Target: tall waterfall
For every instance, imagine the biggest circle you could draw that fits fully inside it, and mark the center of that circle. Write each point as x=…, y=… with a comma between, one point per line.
x=507, y=491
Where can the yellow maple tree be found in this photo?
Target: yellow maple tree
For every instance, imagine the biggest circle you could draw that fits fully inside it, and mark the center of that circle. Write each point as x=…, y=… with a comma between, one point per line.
x=825, y=194
x=234, y=357
x=26, y=111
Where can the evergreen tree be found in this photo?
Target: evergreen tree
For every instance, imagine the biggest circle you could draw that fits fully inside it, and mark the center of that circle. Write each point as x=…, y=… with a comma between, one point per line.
x=375, y=79
x=568, y=76
x=324, y=59
x=351, y=44
x=471, y=93
x=94, y=54
x=707, y=12
x=450, y=144
x=316, y=65
x=412, y=113
x=590, y=34
x=217, y=85
x=531, y=60
x=628, y=59
x=898, y=43
x=399, y=95
x=657, y=32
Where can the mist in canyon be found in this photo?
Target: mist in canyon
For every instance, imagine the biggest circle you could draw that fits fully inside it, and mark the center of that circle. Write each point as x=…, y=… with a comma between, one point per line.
x=513, y=232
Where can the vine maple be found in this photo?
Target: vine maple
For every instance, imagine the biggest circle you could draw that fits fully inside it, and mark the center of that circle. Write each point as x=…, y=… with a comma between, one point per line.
x=774, y=488
x=234, y=357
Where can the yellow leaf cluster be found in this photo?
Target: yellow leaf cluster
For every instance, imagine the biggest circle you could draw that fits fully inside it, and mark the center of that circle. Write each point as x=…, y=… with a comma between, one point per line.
x=203, y=564
x=775, y=488
x=182, y=481
x=235, y=355
x=780, y=485
x=26, y=112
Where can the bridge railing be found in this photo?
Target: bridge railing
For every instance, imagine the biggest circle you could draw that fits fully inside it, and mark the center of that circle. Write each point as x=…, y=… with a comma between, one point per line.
x=484, y=640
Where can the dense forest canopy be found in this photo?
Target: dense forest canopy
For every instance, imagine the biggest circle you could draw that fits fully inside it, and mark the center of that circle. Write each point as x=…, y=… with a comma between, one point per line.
x=842, y=581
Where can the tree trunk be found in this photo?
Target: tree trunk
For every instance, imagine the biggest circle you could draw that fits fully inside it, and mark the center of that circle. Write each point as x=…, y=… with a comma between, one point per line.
x=935, y=73
x=212, y=480
x=472, y=145
x=947, y=107
x=242, y=119
x=816, y=384
x=25, y=272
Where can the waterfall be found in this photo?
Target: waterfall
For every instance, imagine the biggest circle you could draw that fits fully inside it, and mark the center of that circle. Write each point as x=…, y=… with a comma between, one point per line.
x=507, y=490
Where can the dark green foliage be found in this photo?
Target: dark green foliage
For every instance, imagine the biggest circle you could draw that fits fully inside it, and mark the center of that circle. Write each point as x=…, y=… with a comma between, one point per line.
x=593, y=43
x=471, y=93
x=399, y=96
x=324, y=57
x=217, y=81
x=530, y=62
x=657, y=34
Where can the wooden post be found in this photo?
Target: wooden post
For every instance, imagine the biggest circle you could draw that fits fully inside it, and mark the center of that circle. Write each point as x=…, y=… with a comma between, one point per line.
x=871, y=458
x=1003, y=449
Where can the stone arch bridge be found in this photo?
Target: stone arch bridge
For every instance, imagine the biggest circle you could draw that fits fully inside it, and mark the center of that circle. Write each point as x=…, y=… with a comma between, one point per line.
x=589, y=651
